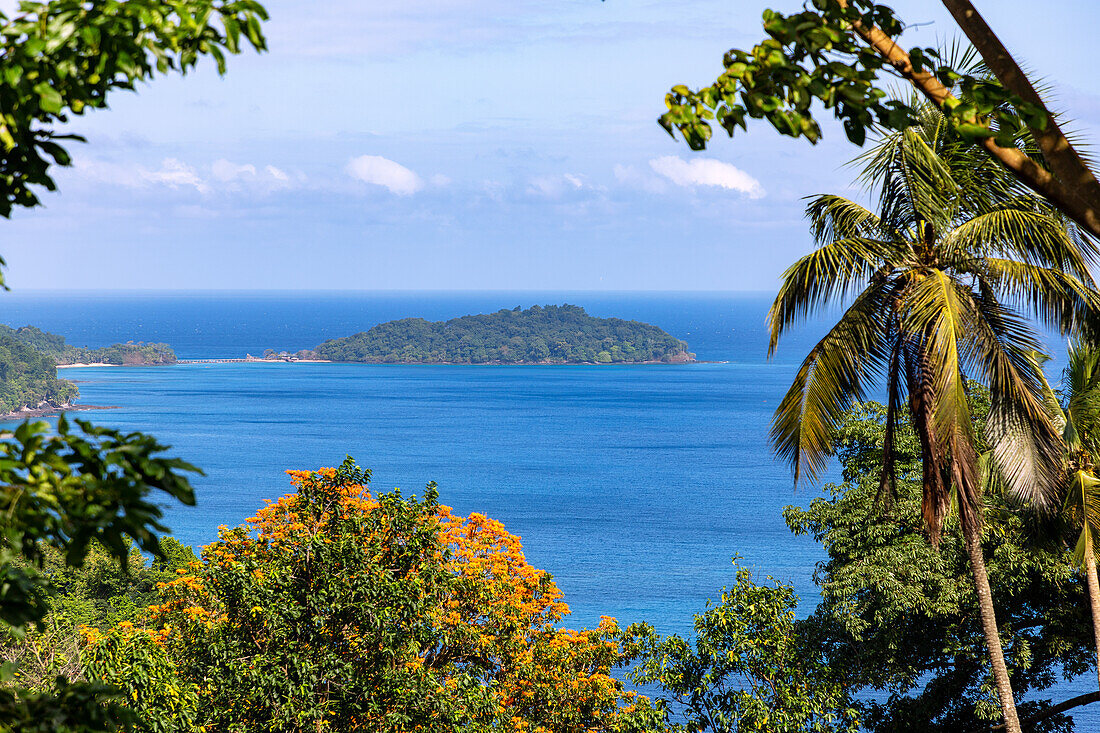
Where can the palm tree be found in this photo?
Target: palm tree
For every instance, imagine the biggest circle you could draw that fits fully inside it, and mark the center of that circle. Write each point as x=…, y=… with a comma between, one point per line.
x=941, y=283
x=1077, y=414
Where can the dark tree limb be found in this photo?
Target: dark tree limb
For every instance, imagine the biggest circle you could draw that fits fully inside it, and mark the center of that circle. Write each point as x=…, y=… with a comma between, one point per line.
x=1073, y=702
x=1065, y=162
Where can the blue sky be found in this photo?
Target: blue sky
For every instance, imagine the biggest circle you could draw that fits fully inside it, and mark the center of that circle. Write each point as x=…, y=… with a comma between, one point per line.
x=466, y=144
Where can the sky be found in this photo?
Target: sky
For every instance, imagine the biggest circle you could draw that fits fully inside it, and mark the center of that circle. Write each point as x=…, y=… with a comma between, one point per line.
x=467, y=145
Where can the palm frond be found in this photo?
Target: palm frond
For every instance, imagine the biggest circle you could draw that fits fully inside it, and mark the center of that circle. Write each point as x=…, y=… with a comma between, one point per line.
x=1082, y=510
x=835, y=217
x=1027, y=445
x=1047, y=395
x=1027, y=234
x=832, y=377
x=913, y=183
x=1081, y=379
x=1056, y=298
x=895, y=398
x=830, y=272
x=932, y=308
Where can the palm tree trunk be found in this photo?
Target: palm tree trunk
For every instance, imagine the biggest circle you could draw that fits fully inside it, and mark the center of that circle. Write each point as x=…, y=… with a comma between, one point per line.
x=988, y=615
x=1094, y=601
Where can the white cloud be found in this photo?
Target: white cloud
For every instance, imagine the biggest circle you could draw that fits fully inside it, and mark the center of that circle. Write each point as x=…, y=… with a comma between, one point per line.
x=379, y=171
x=223, y=170
x=277, y=174
x=172, y=173
x=706, y=172
x=175, y=174
x=234, y=176
x=556, y=186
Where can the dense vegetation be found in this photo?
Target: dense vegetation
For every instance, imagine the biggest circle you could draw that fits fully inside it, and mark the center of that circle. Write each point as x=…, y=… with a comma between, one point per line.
x=55, y=347
x=896, y=619
x=28, y=377
x=550, y=334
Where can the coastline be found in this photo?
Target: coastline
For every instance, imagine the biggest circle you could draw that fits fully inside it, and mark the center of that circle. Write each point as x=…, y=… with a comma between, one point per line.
x=53, y=411
x=193, y=362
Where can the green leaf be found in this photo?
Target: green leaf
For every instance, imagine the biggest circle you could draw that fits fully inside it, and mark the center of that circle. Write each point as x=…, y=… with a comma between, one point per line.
x=48, y=98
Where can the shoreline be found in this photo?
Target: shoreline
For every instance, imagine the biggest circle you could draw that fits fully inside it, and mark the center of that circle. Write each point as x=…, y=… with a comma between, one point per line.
x=54, y=411
x=483, y=363
x=213, y=362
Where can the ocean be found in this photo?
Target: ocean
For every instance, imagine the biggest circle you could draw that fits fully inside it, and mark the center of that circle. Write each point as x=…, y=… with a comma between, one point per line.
x=633, y=485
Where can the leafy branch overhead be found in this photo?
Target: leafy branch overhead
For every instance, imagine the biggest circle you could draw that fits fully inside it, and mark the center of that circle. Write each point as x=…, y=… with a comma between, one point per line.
x=61, y=58
x=73, y=489
x=843, y=54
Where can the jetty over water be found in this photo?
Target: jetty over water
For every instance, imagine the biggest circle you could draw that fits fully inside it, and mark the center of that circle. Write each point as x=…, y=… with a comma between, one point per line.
x=215, y=361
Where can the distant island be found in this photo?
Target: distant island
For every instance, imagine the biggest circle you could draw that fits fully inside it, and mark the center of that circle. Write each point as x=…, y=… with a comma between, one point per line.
x=552, y=334
x=29, y=358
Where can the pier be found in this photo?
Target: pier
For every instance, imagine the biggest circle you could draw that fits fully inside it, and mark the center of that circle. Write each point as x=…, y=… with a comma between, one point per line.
x=217, y=361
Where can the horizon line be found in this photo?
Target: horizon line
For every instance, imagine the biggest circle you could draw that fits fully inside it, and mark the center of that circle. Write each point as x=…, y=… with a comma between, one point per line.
x=379, y=291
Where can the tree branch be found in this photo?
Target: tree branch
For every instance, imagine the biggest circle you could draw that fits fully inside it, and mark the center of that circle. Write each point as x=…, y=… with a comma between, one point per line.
x=1065, y=163
x=1077, y=197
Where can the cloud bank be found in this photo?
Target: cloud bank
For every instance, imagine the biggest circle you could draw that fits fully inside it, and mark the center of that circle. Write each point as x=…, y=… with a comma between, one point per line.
x=221, y=175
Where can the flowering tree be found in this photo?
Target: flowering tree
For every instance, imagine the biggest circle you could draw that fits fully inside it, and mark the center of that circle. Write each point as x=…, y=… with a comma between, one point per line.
x=332, y=609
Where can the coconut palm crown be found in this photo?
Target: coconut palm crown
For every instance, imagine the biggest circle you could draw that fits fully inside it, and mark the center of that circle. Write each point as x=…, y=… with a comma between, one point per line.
x=1077, y=412
x=943, y=283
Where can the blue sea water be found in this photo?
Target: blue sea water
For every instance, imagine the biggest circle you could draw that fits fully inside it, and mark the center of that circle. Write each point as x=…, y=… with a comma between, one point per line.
x=633, y=485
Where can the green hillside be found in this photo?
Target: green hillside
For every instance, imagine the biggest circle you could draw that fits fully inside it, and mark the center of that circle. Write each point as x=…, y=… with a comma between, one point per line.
x=55, y=346
x=29, y=377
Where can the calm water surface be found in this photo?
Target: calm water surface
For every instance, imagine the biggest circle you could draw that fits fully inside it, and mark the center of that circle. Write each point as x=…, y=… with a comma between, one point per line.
x=633, y=485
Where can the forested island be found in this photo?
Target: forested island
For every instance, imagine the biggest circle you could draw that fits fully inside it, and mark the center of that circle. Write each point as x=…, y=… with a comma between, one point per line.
x=29, y=358
x=552, y=334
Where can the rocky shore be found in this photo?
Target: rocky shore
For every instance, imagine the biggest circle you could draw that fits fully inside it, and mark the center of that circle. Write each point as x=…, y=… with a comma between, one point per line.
x=49, y=408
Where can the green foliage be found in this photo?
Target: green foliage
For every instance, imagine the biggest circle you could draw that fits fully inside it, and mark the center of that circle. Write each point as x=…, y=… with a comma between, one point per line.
x=28, y=377
x=54, y=346
x=896, y=622
x=550, y=334
x=61, y=495
x=137, y=664
x=98, y=594
x=69, y=490
x=815, y=56
x=64, y=57
x=751, y=666
x=64, y=708
x=1076, y=410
